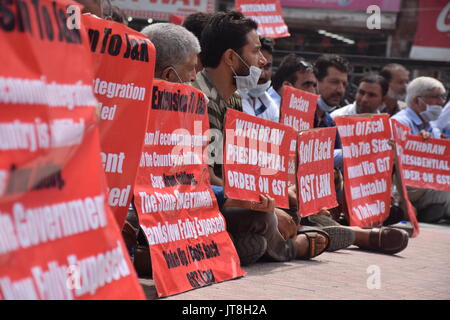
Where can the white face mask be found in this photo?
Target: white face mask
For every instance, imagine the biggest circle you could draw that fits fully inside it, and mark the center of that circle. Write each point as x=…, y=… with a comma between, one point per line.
x=249, y=81
x=260, y=89
x=432, y=113
x=324, y=106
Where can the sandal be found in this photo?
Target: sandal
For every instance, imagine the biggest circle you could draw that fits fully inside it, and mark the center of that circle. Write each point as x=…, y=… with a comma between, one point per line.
x=312, y=236
x=387, y=240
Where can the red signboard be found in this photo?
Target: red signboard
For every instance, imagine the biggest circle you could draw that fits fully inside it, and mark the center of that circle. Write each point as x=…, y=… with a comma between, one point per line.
x=316, y=170
x=268, y=15
x=124, y=63
x=368, y=162
x=256, y=158
x=425, y=163
x=58, y=236
x=298, y=108
x=177, y=209
x=353, y=5
x=432, y=40
x=400, y=133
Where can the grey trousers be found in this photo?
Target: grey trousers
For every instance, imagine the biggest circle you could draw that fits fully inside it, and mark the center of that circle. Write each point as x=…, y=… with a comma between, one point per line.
x=430, y=203
x=241, y=220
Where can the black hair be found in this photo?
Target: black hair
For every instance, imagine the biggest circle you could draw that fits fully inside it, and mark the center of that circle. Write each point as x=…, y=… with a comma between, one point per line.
x=330, y=60
x=387, y=70
x=288, y=68
x=196, y=22
x=381, y=81
x=224, y=30
x=266, y=44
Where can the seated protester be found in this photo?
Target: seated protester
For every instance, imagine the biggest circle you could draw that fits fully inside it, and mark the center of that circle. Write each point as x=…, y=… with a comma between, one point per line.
x=293, y=71
x=176, y=58
x=257, y=102
x=232, y=60
x=424, y=99
x=398, y=78
x=443, y=122
x=369, y=97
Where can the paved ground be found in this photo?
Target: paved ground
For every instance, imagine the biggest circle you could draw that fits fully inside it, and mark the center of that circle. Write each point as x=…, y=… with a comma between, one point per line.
x=421, y=271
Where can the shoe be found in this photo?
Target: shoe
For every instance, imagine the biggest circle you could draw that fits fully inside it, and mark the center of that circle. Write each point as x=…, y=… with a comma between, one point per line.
x=250, y=247
x=340, y=237
x=387, y=240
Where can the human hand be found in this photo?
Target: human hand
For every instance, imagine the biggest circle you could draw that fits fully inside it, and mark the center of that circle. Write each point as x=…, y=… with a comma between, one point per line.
x=267, y=204
x=425, y=134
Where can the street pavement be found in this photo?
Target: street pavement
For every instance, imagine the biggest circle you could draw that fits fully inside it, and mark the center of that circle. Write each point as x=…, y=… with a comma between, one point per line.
x=421, y=271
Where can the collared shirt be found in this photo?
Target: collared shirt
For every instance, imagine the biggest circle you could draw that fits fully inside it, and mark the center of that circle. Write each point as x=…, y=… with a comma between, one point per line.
x=275, y=97
x=409, y=118
x=344, y=111
x=217, y=109
x=443, y=122
x=262, y=107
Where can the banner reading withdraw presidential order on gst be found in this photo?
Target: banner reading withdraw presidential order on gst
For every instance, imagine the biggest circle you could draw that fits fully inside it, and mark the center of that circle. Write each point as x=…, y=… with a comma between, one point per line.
x=177, y=209
x=58, y=236
x=298, y=108
x=368, y=163
x=425, y=163
x=124, y=63
x=256, y=158
x=315, y=172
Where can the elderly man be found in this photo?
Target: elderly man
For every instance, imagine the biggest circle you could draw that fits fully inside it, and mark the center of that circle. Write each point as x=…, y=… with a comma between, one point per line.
x=232, y=58
x=398, y=78
x=369, y=97
x=424, y=98
x=176, y=52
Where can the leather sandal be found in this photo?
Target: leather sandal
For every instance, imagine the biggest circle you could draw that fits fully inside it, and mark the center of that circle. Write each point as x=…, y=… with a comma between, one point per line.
x=387, y=240
x=312, y=236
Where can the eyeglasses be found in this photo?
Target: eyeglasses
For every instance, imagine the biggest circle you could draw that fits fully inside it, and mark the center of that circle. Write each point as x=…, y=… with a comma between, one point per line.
x=307, y=66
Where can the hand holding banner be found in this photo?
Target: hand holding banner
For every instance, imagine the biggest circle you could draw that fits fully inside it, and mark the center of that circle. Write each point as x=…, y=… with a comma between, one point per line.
x=368, y=161
x=250, y=168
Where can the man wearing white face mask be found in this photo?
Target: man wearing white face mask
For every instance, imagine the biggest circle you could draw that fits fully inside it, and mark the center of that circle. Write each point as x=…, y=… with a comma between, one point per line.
x=424, y=98
x=257, y=102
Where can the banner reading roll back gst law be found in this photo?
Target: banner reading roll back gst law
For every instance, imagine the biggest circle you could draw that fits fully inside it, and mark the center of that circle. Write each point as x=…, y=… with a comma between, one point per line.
x=177, y=209
x=425, y=163
x=124, y=62
x=368, y=162
x=256, y=158
x=58, y=236
x=315, y=172
x=298, y=108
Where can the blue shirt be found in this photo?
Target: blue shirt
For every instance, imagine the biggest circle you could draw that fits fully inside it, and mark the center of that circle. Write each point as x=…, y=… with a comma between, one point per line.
x=409, y=118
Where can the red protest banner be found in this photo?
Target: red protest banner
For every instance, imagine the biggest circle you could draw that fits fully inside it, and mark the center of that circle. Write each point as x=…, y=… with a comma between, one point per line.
x=315, y=172
x=268, y=15
x=124, y=63
x=177, y=209
x=400, y=132
x=298, y=108
x=58, y=237
x=368, y=161
x=256, y=163
x=425, y=163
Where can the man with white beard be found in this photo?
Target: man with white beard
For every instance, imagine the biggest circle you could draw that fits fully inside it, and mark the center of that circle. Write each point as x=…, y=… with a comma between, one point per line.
x=398, y=78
